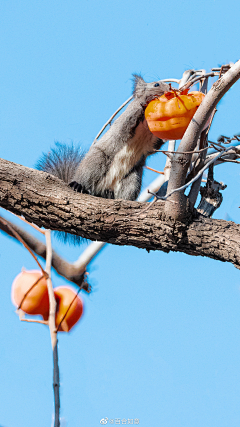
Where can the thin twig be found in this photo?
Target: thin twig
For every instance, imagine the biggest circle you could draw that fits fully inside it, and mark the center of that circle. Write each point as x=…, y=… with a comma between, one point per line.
x=184, y=152
x=29, y=290
x=171, y=80
x=149, y=204
x=153, y=170
x=231, y=155
x=74, y=272
x=195, y=79
x=235, y=144
x=183, y=187
x=112, y=117
x=29, y=223
x=22, y=241
x=222, y=139
x=156, y=198
x=171, y=147
x=43, y=322
x=216, y=145
x=53, y=332
x=70, y=305
x=231, y=161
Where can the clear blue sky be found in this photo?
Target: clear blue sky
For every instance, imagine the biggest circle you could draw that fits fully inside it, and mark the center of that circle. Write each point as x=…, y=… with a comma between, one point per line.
x=160, y=338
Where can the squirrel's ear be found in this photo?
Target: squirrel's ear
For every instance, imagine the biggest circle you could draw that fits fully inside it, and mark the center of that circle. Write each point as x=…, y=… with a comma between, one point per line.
x=138, y=84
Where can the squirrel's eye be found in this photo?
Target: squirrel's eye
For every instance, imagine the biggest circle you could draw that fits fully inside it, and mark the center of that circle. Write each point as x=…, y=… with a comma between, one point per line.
x=156, y=84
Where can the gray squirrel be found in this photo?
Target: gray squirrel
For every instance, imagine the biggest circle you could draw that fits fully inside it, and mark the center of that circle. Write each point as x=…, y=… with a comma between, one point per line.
x=113, y=166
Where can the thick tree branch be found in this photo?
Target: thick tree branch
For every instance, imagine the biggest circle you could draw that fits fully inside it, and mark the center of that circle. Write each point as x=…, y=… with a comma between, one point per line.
x=48, y=202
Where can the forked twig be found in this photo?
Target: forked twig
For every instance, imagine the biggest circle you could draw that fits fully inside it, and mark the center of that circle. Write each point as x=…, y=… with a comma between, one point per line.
x=196, y=79
x=112, y=117
x=183, y=187
x=18, y=237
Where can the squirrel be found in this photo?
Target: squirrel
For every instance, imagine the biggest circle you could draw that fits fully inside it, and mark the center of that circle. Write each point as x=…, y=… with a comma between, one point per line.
x=113, y=166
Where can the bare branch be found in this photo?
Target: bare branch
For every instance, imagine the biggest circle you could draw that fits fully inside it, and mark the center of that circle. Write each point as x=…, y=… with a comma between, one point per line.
x=232, y=154
x=112, y=117
x=180, y=162
x=31, y=287
x=53, y=331
x=49, y=203
x=231, y=161
x=18, y=237
x=168, y=165
x=42, y=322
x=191, y=82
x=199, y=175
x=154, y=170
x=75, y=272
x=186, y=152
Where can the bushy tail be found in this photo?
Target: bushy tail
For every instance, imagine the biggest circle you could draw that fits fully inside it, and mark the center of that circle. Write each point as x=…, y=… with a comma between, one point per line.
x=62, y=162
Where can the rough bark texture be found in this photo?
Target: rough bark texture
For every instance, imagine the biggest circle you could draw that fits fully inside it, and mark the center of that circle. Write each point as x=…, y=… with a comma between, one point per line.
x=50, y=203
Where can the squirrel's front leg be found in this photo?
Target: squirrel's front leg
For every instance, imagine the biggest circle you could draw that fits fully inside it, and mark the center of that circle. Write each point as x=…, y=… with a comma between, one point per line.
x=89, y=176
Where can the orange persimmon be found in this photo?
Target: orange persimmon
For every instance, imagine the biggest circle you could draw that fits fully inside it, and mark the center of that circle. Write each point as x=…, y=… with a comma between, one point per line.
x=30, y=293
x=68, y=317
x=169, y=115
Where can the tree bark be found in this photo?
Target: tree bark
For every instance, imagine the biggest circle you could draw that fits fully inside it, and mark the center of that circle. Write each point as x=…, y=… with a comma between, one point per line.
x=50, y=203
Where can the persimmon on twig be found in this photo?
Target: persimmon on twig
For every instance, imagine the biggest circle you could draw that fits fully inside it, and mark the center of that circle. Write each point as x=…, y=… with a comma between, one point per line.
x=52, y=311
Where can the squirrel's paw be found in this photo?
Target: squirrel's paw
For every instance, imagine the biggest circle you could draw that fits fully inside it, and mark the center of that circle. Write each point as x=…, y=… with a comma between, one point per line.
x=79, y=187
x=108, y=194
